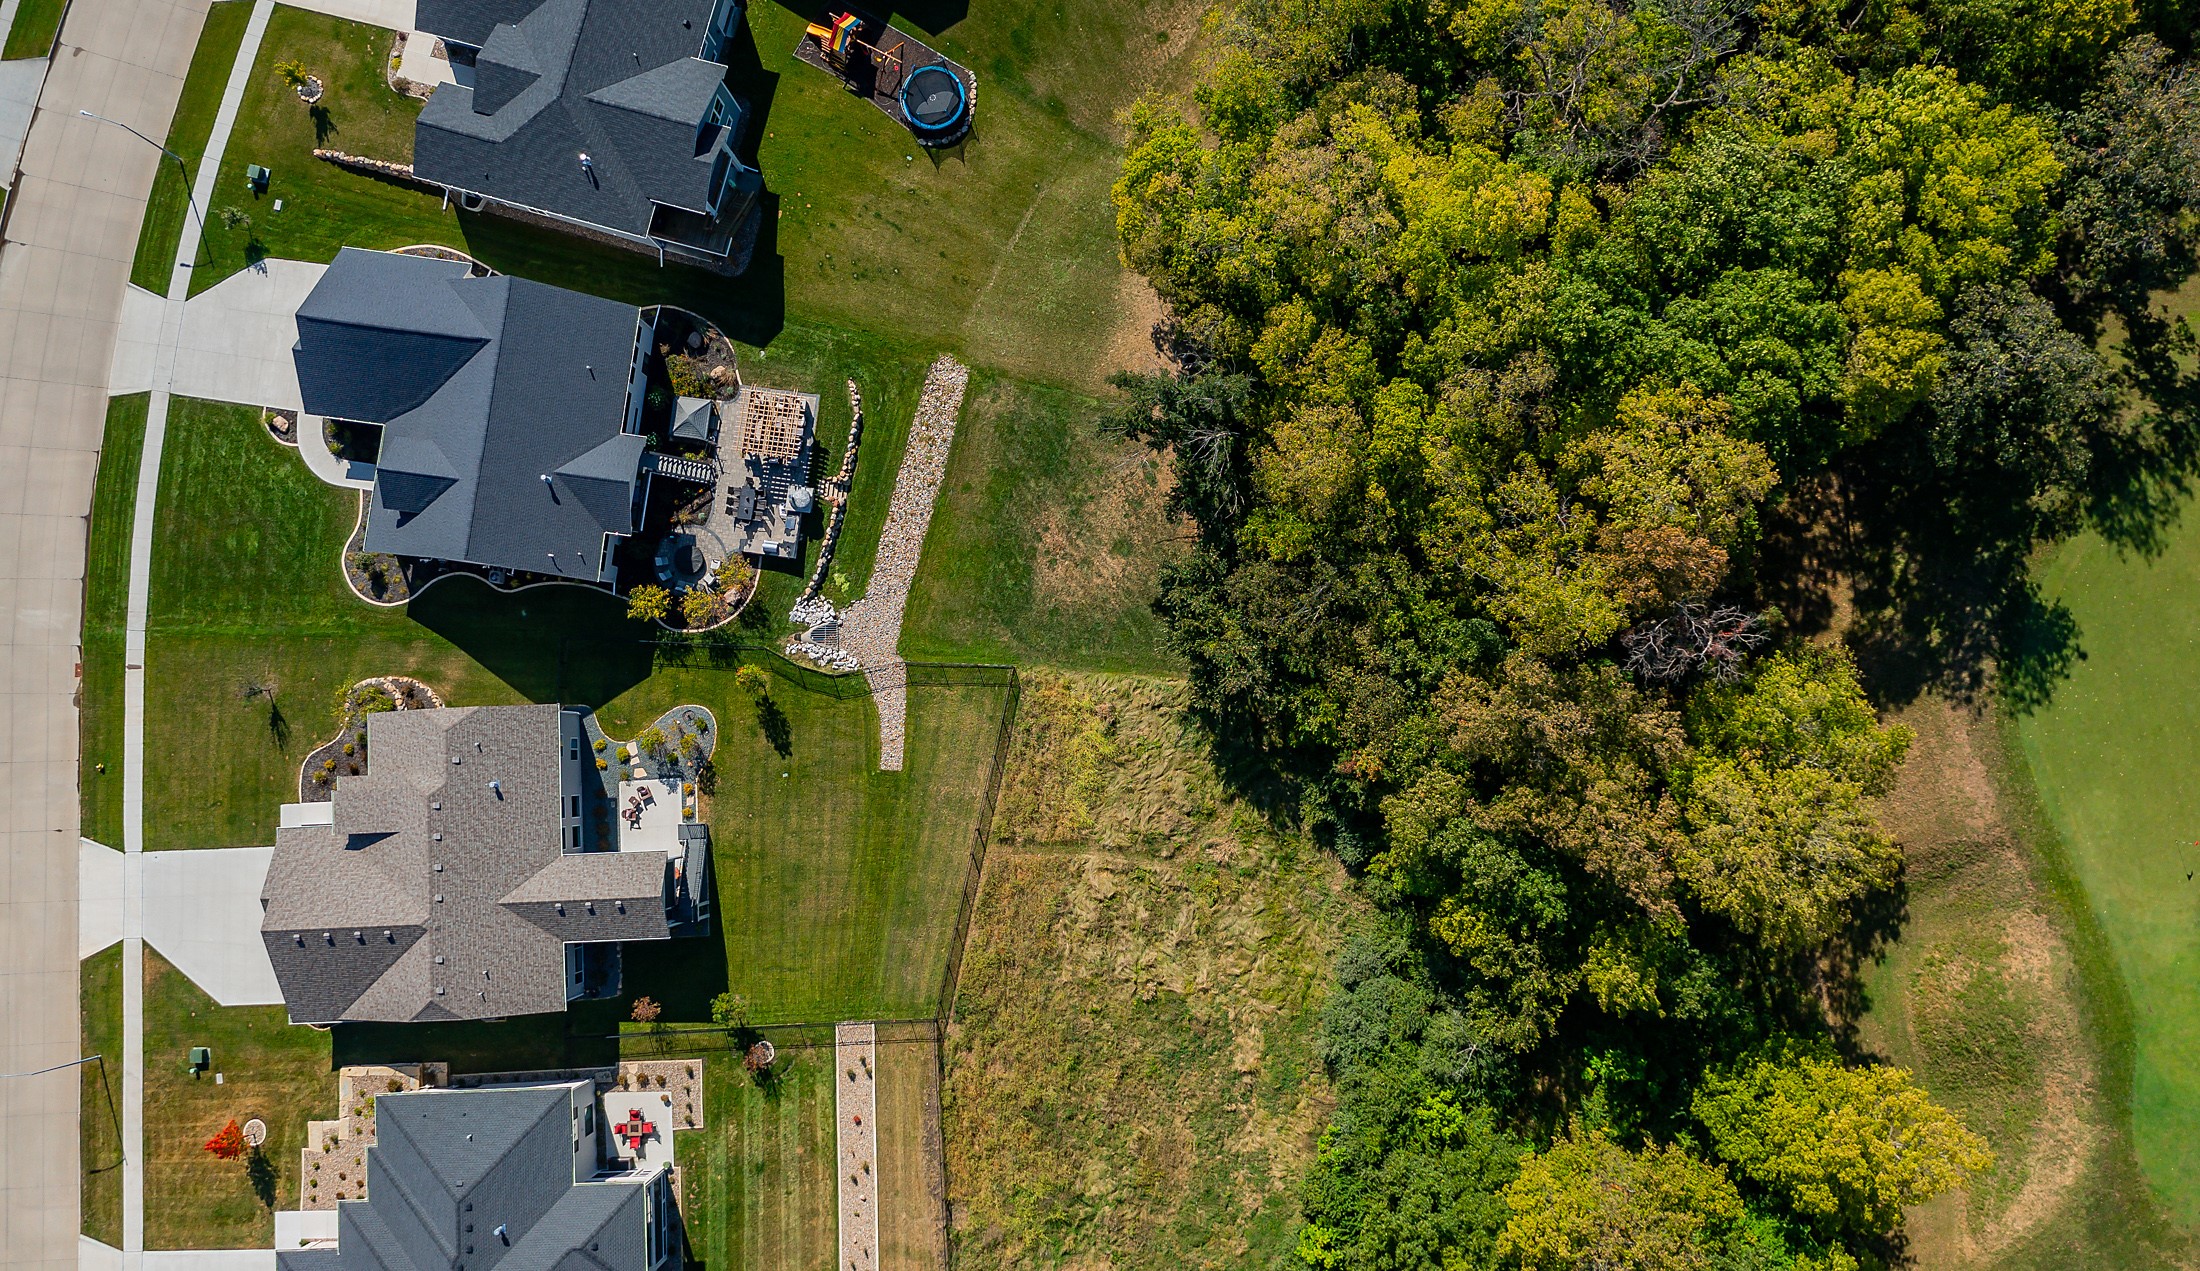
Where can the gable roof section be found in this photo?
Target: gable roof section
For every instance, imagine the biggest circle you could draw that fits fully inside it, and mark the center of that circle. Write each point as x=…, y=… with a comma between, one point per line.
x=618, y=80
x=541, y=390
x=428, y=878
x=376, y=341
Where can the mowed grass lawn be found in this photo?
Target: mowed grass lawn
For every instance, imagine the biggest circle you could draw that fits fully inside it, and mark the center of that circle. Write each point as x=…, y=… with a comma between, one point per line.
x=106, y=610
x=757, y=1187
x=1047, y=542
x=2116, y=759
x=270, y=1068
x=838, y=884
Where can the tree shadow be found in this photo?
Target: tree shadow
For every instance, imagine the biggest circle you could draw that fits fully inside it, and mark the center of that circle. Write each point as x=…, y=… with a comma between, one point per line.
x=778, y=731
x=1875, y=923
x=324, y=125
x=260, y=1172
x=278, y=724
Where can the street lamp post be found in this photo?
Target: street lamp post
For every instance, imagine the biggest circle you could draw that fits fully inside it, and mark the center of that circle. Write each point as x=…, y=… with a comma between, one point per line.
x=188, y=198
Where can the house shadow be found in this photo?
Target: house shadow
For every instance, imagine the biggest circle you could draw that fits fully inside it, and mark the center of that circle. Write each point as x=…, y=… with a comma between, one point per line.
x=575, y=1038
x=568, y=644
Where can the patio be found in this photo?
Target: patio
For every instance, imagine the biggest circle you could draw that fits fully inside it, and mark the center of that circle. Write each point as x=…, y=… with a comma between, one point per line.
x=649, y=814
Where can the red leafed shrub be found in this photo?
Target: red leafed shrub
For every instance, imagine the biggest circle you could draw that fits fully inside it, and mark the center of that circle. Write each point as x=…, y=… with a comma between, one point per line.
x=228, y=1142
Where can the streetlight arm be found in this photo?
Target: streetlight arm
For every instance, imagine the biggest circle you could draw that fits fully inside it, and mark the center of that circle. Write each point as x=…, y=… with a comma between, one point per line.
x=189, y=198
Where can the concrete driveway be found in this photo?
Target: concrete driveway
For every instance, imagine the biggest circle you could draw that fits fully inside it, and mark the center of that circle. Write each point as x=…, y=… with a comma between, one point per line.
x=235, y=342
x=202, y=911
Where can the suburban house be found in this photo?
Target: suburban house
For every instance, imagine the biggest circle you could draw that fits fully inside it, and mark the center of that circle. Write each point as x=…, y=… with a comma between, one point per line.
x=499, y=1176
x=457, y=876
x=509, y=410
x=607, y=116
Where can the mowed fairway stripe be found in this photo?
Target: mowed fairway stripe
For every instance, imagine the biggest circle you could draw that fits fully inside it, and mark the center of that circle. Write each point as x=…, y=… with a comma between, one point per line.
x=2116, y=757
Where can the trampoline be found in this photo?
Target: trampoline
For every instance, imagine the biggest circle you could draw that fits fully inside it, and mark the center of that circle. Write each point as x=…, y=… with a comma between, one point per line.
x=933, y=101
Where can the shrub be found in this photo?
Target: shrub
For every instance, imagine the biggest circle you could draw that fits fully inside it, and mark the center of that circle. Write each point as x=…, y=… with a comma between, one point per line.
x=650, y=741
x=752, y=681
x=293, y=73
x=734, y=574
x=698, y=606
x=601, y=765
x=600, y=744
x=646, y=1010
x=648, y=603
x=228, y=1142
x=685, y=376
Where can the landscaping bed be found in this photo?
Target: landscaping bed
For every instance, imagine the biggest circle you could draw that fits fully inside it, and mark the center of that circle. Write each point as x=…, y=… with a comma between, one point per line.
x=345, y=754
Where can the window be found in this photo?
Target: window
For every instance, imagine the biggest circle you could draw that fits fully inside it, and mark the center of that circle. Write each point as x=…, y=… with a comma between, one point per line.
x=588, y=1119
x=575, y=809
x=576, y=832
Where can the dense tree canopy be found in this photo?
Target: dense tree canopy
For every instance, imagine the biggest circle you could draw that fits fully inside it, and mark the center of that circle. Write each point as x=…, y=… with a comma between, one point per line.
x=1504, y=332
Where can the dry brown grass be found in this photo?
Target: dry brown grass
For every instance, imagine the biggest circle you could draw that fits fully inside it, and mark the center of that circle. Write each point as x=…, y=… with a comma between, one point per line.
x=1131, y=1080
x=912, y=1189
x=1981, y=997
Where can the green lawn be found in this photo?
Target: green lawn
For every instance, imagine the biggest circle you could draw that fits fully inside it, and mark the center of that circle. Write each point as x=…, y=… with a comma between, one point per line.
x=1997, y=990
x=838, y=884
x=169, y=203
x=1047, y=540
x=2116, y=758
x=99, y=1024
x=757, y=1185
x=36, y=24
x=106, y=609
x=270, y=1069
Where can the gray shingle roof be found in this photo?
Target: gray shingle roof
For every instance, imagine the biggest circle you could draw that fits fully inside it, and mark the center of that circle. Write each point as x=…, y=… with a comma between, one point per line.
x=622, y=81
x=483, y=386
x=494, y=1179
x=430, y=880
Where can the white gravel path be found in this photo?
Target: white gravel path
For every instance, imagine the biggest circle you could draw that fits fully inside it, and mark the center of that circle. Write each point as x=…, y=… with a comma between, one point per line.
x=871, y=627
x=855, y=1079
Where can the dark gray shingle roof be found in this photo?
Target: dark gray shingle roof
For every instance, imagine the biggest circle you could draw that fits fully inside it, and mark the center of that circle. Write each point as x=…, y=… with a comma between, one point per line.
x=622, y=81
x=359, y=922
x=483, y=386
x=449, y=1168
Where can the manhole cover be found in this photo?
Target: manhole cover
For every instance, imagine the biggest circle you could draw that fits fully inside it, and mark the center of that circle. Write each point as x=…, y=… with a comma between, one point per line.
x=255, y=1132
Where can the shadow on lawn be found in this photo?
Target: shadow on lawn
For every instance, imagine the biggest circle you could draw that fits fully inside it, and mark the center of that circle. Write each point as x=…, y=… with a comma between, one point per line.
x=571, y=644
x=579, y=1037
